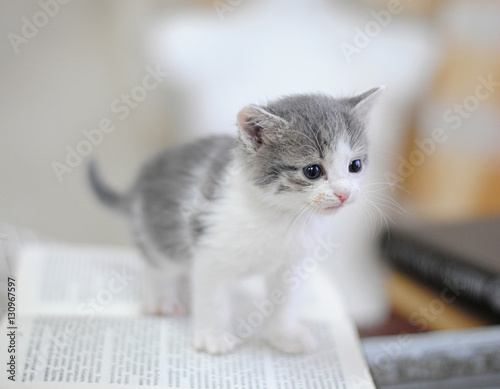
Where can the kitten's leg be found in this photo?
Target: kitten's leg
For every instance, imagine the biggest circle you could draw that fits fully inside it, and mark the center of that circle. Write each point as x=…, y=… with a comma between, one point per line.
x=283, y=329
x=164, y=292
x=211, y=308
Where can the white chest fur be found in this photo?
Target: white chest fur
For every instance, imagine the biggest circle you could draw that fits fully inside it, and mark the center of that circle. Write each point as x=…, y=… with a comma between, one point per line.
x=250, y=236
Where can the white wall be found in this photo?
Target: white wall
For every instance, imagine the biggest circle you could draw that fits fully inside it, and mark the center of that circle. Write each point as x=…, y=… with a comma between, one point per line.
x=60, y=83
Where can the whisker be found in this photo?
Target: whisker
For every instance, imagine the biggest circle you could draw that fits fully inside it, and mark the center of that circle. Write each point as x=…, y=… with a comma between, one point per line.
x=390, y=203
x=366, y=209
x=389, y=184
x=297, y=216
x=383, y=214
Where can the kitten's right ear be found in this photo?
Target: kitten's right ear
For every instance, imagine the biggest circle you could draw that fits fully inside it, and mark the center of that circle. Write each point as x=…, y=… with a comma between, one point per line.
x=257, y=126
x=363, y=104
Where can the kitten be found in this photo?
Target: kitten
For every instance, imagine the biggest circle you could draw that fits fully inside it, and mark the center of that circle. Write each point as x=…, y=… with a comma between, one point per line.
x=215, y=211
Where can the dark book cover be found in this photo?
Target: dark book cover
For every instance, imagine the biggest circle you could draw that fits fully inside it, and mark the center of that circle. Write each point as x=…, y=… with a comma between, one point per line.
x=463, y=259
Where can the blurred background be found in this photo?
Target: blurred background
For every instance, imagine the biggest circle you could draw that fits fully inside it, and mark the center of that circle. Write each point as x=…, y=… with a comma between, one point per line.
x=120, y=80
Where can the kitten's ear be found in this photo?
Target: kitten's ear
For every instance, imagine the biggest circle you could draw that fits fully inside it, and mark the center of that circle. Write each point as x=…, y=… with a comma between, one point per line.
x=363, y=103
x=257, y=126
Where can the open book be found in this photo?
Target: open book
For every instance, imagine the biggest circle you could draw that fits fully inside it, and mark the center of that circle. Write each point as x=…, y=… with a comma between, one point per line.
x=74, y=321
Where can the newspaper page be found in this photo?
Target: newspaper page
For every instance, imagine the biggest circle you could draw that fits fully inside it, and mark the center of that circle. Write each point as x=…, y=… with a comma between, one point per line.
x=60, y=351
x=152, y=351
x=67, y=279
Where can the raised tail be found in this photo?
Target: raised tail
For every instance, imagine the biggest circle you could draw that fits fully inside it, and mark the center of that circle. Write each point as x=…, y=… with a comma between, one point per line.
x=107, y=195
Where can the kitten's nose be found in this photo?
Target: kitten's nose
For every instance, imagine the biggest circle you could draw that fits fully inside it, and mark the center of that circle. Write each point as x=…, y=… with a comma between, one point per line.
x=343, y=196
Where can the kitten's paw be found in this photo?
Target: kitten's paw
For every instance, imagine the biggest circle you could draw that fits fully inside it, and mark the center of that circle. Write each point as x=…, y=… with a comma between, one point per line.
x=165, y=306
x=294, y=341
x=214, y=342
x=172, y=308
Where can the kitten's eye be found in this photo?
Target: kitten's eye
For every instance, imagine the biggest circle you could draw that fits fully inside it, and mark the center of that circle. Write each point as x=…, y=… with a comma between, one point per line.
x=355, y=166
x=313, y=172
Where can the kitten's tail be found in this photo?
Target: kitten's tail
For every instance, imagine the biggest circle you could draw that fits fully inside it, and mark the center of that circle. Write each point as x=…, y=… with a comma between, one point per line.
x=107, y=195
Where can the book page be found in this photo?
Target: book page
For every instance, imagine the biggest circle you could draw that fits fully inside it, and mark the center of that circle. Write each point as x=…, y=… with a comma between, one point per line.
x=83, y=280
x=152, y=351
x=62, y=351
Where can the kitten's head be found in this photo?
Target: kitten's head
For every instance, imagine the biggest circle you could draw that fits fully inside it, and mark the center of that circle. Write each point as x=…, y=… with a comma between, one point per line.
x=307, y=151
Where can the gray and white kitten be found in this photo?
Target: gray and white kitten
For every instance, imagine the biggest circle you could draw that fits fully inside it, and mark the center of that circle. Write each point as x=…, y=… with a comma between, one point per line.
x=224, y=208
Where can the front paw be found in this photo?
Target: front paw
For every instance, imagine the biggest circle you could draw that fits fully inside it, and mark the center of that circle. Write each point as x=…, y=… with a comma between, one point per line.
x=164, y=305
x=295, y=340
x=214, y=342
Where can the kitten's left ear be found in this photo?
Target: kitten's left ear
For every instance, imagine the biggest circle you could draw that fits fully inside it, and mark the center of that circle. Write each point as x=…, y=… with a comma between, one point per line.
x=363, y=103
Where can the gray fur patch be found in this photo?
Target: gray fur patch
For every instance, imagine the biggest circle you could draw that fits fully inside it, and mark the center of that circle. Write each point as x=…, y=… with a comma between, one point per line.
x=175, y=188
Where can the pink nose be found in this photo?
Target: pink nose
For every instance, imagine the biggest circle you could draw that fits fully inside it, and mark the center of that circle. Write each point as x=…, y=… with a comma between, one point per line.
x=343, y=196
